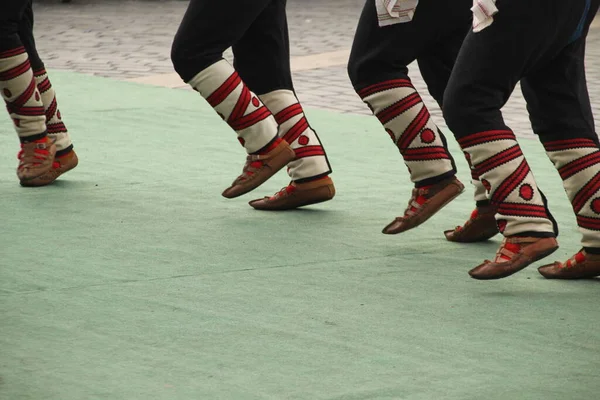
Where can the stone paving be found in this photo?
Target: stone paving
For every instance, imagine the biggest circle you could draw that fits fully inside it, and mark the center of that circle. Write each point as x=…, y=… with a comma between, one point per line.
x=130, y=40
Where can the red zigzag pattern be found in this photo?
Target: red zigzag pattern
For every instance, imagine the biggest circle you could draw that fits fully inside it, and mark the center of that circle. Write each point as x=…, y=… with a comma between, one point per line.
x=499, y=159
x=425, y=153
x=237, y=120
x=591, y=187
x=588, y=223
x=522, y=210
x=295, y=131
x=579, y=165
x=485, y=137
x=288, y=113
x=510, y=183
x=568, y=144
x=387, y=85
x=12, y=52
x=416, y=126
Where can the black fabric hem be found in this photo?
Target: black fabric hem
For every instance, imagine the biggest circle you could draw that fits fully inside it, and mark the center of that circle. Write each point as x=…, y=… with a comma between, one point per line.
x=313, y=178
x=535, y=234
x=592, y=250
x=482, y=203
x=435, y=179
x=62, y=152
x=33, y=138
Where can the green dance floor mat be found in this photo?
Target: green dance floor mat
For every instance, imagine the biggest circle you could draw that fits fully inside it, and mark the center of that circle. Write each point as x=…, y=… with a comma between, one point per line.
x=132, y=278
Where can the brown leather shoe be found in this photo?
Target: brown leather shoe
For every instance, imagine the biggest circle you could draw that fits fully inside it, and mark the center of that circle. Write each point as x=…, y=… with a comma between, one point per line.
x=59, y=167
x=35, y=159
x=514, y=254
x=259, y=168
x=480, y=227
x=297, y=195
x=581, y=266
x=424, y=203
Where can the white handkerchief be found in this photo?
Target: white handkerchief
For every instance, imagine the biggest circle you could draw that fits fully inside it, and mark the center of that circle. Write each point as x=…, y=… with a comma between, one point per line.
x=483, y=14
x=390, y=12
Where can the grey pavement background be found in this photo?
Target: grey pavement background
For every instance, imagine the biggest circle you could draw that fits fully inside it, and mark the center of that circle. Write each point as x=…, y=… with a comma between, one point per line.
x=130, y=39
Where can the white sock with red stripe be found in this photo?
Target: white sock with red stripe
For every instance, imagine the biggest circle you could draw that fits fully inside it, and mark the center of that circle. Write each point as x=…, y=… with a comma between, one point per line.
x=311, y=160
x=224, y=90
x=480, y=193
x=19, y=90
x=406, y=119
x=56, y=128
x=504, y=172
x=578, y=163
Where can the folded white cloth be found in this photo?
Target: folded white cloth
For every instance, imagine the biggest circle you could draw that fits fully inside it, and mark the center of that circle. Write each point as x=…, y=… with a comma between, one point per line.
x=483, y=14
x=390, y=12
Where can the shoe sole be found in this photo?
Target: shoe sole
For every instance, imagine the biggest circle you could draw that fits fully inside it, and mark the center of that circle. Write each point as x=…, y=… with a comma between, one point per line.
x=38, y=182
x=512, y=272
x=460, y=190
x=477, y=239
x=280, y=160
x=51, y=152
x=575, y=276
x=293, y=206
